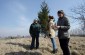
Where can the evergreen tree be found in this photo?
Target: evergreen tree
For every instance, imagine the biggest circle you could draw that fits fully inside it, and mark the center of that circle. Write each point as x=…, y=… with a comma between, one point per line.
x=43, y=16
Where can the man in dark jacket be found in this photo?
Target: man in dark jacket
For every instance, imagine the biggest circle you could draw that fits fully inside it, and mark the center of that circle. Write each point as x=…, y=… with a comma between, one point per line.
x=63, y=34
x=34, y=32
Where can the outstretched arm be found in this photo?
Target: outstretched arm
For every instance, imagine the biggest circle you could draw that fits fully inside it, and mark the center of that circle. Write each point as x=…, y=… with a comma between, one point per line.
x=67, y=25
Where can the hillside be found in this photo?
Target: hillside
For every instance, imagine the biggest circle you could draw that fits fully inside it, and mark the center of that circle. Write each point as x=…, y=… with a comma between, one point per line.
x=21, y=46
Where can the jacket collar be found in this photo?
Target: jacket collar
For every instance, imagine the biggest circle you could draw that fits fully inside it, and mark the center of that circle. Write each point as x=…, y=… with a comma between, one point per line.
x=61, y=18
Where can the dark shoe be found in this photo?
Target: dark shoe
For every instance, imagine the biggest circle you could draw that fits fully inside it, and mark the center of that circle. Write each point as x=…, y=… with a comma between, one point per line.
x=37, y=47
x=31, y=48
x=54, y=51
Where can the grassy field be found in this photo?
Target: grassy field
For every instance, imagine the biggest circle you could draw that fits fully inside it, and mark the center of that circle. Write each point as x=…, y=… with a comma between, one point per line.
x=20, y=46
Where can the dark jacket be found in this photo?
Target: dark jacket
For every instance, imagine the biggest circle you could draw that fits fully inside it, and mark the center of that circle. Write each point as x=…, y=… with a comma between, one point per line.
x=34, y=29
x=64, y=27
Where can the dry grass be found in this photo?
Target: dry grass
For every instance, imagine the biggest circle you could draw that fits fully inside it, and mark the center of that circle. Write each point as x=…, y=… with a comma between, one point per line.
x=21, y=46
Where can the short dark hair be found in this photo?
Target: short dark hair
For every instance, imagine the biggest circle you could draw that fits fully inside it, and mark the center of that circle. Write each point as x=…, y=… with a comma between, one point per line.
x=60, y=11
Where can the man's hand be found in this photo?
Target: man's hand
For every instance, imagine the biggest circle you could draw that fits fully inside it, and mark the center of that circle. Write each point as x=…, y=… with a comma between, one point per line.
x=58, y=27
x=55, y=27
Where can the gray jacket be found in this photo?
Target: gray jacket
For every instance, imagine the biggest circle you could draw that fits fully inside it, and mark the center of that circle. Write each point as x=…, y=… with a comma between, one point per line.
x=64, y=27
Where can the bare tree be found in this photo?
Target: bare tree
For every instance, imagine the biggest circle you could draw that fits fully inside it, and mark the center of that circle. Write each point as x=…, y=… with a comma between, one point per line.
x=80, y=12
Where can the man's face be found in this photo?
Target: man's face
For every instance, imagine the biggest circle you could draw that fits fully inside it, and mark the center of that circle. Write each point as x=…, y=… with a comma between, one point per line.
x=60, y=15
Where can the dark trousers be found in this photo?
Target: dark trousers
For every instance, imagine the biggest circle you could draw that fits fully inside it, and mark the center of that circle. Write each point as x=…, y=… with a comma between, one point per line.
x=33, y=41
x=64, y=46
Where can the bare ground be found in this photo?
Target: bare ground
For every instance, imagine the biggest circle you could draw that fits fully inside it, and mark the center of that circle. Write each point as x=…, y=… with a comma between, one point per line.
x=21, y=46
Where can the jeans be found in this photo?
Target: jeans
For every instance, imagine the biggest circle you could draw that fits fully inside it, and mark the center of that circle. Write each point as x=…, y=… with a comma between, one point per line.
x=54, y=43
x=64, y=46
x=33, y=42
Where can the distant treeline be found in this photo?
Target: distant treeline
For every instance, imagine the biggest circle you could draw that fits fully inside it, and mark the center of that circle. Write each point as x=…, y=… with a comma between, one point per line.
x=14, y=37
x=77, y=32
x=73, y=32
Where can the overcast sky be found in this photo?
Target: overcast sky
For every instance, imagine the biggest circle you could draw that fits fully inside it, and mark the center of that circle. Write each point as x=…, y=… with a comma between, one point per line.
x=17, y=15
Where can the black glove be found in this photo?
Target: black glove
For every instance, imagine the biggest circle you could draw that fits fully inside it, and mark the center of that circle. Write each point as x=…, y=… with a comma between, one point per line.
x=49, y=34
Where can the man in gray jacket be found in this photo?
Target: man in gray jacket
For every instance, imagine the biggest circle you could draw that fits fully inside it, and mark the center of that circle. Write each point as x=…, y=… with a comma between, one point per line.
x=63, y=35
